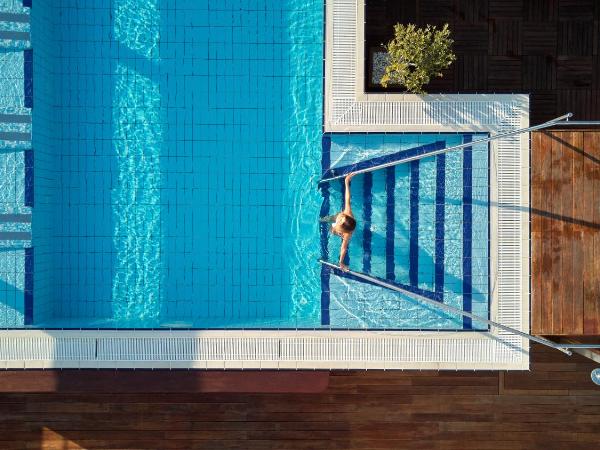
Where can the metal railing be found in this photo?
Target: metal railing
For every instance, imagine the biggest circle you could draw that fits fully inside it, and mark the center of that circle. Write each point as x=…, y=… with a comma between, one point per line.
x=561, y=347
x=559, y=120
x=578, y=123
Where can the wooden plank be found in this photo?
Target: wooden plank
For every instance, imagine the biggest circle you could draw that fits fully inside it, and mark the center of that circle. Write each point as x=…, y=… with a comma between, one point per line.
x=538, y=72
x=591, y=283
x=566, y=241
x=540, y=39
x=544, y=211
x=470, y=73
x=164, y=381
x=565, y=229
x=593, y=317
x=505, y=37
x=504, y=73
x=539, y=163
x=505, y=8
x=542, y=105
x=540, y=10
x=576, y=8
x=580, y=205
x=469, y=11
x=575, y=37
x=556, y=233
x=578, y=101
x=536, y=282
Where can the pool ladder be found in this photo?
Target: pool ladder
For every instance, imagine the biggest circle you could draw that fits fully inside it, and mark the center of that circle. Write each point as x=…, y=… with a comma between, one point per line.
x=565, y=348
x=562, y=120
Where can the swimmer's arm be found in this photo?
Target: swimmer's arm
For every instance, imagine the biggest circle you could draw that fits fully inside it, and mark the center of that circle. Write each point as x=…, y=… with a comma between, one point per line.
x=347, y=202
x=343, y=252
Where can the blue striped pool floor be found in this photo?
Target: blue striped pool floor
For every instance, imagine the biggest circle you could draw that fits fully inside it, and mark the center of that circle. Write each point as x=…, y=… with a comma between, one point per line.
x=423, y=225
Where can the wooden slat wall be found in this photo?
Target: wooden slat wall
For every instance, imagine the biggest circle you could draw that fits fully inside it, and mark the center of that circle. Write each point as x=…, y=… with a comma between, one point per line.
x=555, y=406
x=565, y=233
x=547, y=48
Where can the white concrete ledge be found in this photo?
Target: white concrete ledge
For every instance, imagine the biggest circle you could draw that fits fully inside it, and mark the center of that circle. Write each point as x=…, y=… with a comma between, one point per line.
x=28, y=349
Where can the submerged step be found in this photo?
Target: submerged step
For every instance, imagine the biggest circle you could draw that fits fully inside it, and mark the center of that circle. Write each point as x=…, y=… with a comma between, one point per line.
x=382, y=160
x=415, y=230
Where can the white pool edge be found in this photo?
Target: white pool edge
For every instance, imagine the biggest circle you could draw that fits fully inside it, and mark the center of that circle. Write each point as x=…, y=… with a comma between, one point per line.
x=37, y=349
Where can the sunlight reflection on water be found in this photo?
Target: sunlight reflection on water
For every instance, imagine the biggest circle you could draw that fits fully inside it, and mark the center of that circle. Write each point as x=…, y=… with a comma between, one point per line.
x=138, y=137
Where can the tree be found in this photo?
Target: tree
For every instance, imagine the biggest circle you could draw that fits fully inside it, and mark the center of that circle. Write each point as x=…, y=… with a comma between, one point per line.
x=415, y=55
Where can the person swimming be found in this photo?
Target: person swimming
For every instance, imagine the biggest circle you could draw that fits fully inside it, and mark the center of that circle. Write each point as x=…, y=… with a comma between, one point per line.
x=343, y=222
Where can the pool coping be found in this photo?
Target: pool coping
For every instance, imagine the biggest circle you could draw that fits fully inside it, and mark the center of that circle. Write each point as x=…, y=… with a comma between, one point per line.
x=251, y=349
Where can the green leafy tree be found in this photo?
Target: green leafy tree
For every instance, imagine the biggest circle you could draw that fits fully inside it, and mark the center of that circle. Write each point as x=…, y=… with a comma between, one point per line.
x=415, y=55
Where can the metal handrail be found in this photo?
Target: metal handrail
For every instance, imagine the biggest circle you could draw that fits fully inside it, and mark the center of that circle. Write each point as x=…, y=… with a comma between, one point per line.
x=583, y=346
x=578, y=123
x=451, y=309
x=550, y=123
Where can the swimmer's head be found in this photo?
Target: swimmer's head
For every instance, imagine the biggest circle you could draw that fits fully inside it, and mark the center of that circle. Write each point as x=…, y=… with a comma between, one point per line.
x=345, y=223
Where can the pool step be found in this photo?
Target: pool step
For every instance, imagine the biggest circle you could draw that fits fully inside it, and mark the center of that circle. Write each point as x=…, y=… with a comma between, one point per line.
x=384, y=159
x=14, y=30
x=403, y=225
x=412, y=222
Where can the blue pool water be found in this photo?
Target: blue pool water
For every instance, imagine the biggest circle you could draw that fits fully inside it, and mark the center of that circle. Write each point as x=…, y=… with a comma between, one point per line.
x=178, y=148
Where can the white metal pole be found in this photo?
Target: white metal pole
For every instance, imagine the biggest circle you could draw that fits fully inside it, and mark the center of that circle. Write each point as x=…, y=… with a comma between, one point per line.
x=550, y=123
x=449, y=308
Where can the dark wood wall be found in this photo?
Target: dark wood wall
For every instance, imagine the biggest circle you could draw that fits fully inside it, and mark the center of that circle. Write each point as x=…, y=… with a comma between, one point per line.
x=547, y=48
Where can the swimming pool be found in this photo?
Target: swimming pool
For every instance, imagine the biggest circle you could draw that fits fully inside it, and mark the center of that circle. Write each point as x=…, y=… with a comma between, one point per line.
x=178, y=149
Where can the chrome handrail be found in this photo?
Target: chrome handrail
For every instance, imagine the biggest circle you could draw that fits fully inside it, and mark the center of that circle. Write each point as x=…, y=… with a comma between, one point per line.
x=550, y=123
x=449, y=308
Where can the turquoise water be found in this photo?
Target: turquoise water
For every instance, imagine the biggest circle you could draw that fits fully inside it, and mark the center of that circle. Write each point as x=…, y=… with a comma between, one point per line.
x=190, y=148
x=178, y=149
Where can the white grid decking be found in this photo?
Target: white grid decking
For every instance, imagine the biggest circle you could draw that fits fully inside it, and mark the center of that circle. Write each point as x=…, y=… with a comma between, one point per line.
x=35, y=349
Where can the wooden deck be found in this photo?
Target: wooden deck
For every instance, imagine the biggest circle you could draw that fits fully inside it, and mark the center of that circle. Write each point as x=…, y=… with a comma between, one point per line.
x=555, y=406
x=565, y=233
x=547, y=48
